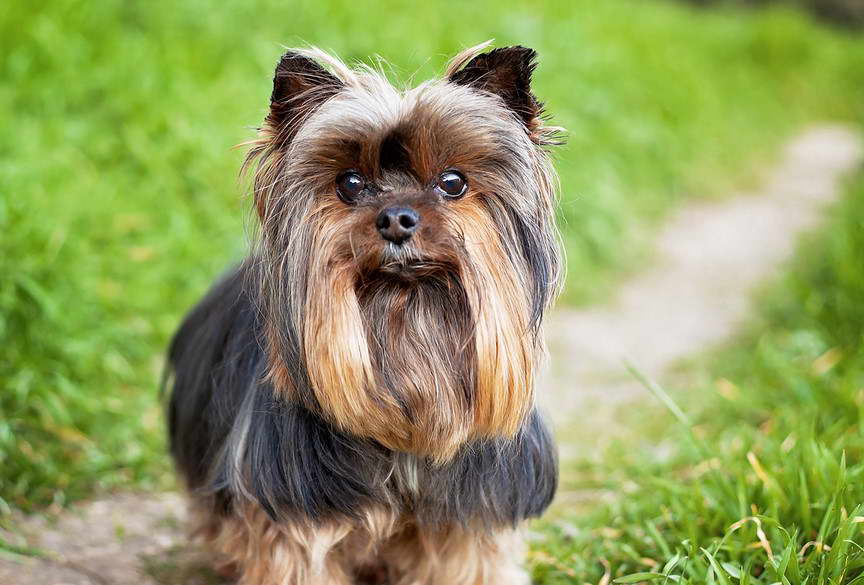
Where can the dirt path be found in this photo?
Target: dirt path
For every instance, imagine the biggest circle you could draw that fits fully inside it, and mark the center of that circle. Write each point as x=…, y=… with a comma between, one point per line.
x=695, y=294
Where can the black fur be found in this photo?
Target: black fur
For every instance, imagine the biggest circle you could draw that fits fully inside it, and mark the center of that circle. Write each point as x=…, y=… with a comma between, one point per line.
x=299, y=86
x=293, y=463
x=505, y=72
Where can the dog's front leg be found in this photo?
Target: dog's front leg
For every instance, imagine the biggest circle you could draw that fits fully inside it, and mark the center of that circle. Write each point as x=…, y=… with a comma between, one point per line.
x=458, y=556
x=263, y=552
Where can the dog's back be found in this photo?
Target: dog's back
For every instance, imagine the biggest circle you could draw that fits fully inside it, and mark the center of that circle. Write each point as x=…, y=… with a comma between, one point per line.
x=213, y=357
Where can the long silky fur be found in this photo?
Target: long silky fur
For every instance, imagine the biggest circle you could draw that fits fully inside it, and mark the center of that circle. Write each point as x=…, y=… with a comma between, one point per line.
x=319, y=385
x=503, y=239
x=234, y=438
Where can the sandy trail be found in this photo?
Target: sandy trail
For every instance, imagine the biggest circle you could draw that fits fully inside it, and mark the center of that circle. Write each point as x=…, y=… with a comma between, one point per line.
x=695, y=293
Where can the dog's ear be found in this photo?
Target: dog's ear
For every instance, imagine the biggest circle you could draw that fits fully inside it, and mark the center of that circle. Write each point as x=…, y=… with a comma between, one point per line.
x=300, y=85
x=505, y=72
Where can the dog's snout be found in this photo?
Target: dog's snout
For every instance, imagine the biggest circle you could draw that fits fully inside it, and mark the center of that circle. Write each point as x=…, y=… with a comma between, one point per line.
x=397, y=224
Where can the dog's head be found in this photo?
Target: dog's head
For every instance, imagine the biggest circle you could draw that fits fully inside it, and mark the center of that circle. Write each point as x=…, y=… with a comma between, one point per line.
x=408, y=247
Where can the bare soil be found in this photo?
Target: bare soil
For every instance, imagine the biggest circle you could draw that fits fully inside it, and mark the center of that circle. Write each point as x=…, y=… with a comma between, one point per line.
x=696, y=293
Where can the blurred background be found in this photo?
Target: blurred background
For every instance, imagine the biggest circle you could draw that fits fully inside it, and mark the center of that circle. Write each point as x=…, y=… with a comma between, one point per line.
x=120, y=203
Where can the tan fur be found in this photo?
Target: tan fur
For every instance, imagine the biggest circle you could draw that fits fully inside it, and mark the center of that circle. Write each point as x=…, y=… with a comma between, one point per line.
x=506, y=350
x=457, y=556
x=448, y=126
x=343, y=373
x=338, y=357
x=257, y=551
x=420, y=375
x=261, y=552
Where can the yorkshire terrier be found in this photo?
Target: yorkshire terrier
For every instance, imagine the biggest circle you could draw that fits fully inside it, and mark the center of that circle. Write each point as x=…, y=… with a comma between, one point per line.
x=355, y=401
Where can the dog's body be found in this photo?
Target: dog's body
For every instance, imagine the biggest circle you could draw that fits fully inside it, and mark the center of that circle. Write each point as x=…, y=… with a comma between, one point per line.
x=356, y=399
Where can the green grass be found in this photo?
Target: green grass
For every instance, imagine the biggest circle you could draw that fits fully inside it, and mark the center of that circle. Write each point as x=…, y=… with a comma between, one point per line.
x=119, y=201
x=776, y=442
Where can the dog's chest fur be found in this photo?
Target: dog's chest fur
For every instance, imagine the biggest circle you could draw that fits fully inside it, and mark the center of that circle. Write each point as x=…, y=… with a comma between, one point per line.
x=239, y=440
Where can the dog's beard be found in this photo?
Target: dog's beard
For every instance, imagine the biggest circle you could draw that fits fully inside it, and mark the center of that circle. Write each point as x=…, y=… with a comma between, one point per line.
x=390, y=348
x=419, y=354
x=420, y=333
x=403, y=263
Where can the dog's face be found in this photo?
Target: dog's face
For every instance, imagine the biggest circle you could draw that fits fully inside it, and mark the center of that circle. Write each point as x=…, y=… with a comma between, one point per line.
x=408, y=249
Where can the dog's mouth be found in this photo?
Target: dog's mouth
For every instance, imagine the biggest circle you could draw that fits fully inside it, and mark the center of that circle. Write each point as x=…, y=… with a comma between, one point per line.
x=406, y=263
x=404, y=266
x=411, y=269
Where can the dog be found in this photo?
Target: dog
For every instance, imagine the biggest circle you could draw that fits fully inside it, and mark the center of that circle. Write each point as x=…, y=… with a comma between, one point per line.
x=354, y=403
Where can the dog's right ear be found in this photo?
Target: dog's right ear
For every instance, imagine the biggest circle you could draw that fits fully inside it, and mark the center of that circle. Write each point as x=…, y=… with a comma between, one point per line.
x=300, y=85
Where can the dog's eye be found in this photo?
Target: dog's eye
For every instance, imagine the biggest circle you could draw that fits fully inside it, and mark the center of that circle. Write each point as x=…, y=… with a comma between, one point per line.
x=350, y=185
x=451, y=184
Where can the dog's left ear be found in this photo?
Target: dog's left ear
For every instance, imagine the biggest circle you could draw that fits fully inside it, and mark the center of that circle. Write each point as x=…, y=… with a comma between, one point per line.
x=505, y=72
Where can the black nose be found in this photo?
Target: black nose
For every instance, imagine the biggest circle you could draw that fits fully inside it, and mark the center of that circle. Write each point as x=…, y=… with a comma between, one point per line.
x=397, y=224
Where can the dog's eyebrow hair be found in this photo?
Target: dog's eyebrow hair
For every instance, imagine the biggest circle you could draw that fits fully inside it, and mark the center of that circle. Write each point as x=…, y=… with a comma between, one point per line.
x=351, y=146
x=393, y=154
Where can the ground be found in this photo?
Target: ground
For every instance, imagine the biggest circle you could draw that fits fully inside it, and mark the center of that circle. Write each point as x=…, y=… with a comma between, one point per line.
x=709, y=257
x=696, y=292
